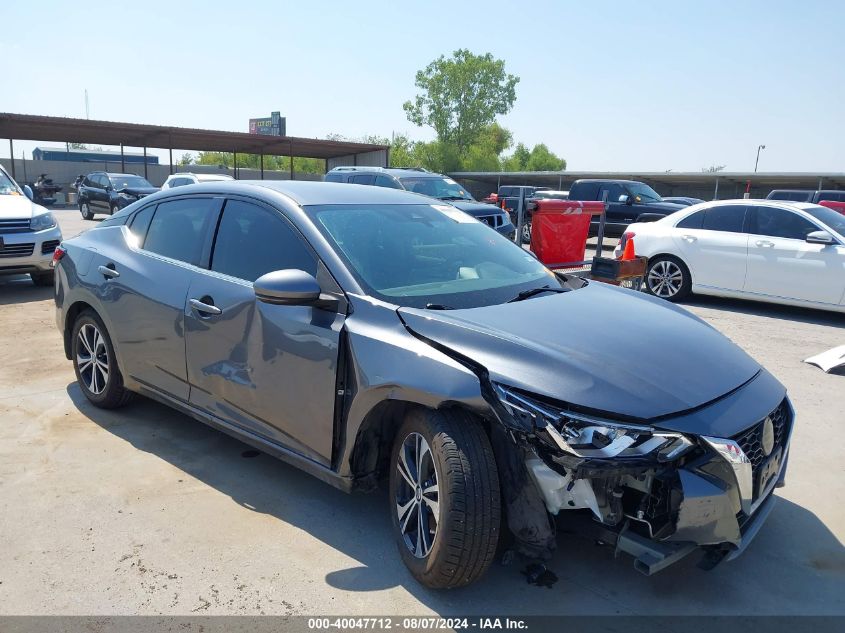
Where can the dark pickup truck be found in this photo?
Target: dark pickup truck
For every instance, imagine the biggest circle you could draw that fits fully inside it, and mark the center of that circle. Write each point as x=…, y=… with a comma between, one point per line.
x=628, y=201
x=807, y=195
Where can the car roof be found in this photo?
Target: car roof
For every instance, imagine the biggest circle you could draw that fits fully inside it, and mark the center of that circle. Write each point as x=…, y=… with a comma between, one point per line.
x=396, y=172
x=607, y=180
x=116, y=174
x=310, y=192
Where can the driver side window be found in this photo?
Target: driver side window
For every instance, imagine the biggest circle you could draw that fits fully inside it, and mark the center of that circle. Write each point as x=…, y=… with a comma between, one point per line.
x=774, y=222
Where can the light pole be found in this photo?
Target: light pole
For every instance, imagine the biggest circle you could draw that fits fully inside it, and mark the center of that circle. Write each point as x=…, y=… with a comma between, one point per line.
x=757, y=162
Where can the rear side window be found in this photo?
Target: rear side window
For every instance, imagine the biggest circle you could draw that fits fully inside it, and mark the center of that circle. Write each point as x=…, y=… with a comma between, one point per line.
x=836, y=196
x=253, y=241
x=178, y=229
x=776, y=222
x=387, y=181
x=694, y=221
x=334, y=178
x=362, y=179
x=141, y=222
x=728, y=218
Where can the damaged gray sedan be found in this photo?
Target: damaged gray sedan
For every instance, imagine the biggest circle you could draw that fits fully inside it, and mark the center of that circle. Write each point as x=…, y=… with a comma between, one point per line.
x=367, y=334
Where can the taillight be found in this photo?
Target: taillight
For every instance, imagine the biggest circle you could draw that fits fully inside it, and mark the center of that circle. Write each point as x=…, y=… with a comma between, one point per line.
x=57, y=255
x=627, y=235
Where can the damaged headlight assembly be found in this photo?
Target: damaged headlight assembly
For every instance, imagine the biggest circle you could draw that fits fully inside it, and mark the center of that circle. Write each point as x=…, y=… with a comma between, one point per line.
x=586, y=437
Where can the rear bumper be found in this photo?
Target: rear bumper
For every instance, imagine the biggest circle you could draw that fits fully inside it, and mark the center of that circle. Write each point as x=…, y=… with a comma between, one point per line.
x=23, y=253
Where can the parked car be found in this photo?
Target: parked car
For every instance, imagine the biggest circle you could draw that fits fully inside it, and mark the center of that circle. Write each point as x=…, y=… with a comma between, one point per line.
x=833, y=204
x=807, y=195
x=29, y=233
x=186, y=178
x=627, y=201
x=44, y=191
x=102, y=192
x=683, y=200
x=766, y=250
x=368, y=333
x=427, y=183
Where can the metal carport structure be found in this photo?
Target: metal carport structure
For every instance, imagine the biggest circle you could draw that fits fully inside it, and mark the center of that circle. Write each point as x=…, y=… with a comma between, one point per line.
x=68, y=130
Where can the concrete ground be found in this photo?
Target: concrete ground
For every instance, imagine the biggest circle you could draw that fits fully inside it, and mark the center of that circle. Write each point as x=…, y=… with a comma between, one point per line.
x=145, y=511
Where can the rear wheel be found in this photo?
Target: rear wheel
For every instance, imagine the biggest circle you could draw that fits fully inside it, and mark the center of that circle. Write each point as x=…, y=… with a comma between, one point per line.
x=85, y=210
x=42, y=279
x=526, y=232
x=95, y=363
x=668, y=278
x=444, y=498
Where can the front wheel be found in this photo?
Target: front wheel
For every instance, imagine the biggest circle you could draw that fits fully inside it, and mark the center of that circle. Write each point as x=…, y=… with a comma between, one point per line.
x=85, y=210
x=444, y=497
x=526, y=232
x=668, y=278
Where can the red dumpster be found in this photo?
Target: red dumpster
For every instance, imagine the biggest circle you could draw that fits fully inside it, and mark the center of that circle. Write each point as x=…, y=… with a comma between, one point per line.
x=559, y=229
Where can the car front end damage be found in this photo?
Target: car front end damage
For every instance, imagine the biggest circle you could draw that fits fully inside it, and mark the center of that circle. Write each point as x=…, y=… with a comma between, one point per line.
x=649, y=491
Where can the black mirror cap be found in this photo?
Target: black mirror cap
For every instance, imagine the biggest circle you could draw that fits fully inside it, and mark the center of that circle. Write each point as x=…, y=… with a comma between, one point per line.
x=820, y=237
x=287, y=287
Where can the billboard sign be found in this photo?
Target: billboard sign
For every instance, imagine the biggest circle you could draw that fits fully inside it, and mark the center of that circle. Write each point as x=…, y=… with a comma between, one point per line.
x=274, y=125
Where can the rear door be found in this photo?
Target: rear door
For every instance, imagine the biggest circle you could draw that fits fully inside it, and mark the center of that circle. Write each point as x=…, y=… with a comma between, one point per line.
x=714, y=245
x=268, y=369
x=169, y=244
x=782, y=264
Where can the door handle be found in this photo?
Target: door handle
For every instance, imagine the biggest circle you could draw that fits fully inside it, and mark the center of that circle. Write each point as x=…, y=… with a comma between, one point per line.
x=205, y=308
x=764, y=243
x=108, y=271
x=689, y=238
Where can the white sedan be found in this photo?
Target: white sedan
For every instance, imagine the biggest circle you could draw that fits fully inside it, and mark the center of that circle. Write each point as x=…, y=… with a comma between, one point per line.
x=766, y=250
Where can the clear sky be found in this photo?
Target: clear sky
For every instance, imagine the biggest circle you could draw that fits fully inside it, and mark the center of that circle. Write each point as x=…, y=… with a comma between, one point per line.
x=607, y=85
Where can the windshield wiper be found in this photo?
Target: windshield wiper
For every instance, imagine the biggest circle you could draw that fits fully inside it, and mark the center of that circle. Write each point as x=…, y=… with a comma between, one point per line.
x=437, y=306
x=525, y=294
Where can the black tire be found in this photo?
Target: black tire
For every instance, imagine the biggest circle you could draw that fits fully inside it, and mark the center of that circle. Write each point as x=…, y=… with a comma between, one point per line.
x=110, y=393
x=113, y=209
x=85, y=210
x=468, y=514
x=668, y=277
x=43, y=279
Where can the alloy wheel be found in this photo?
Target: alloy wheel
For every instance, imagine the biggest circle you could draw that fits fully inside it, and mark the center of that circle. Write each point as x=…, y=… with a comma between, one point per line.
x=526, y=232
x=665, y=279
x=417, y=496
x=92, y=359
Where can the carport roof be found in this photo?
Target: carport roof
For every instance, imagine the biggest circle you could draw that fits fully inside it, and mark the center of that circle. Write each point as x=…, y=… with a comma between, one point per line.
x=48, y=128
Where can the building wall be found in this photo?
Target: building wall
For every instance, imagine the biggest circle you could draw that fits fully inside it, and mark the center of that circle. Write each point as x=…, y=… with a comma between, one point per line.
x=64, y=173
x=377, y=158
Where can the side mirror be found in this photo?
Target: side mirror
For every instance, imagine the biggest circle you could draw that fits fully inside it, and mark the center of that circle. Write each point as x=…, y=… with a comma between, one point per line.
x=27, y=191
x=625, y=199
x=820, y=237
x=288, y=288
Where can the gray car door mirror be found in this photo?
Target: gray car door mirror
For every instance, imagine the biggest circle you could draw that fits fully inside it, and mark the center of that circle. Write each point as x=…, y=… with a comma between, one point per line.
x=287, y=287
x=624, y=199
x=27, y=190
x=820, y=237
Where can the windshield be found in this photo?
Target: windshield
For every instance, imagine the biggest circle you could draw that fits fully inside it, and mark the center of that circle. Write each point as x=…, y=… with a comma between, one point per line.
x=831, y=218
x=7, y=185
x=129, y=182
x=443, y=188
x=417, y=255
x=644, y=192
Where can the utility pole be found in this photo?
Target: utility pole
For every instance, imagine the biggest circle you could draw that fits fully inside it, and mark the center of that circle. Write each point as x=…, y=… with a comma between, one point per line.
x=757, y=162
x=86, y=104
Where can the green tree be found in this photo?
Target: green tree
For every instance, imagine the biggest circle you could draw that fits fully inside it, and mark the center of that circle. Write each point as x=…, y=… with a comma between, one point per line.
x=186, y=159
x=460, y=96
x=541, y=159
x=518, y=161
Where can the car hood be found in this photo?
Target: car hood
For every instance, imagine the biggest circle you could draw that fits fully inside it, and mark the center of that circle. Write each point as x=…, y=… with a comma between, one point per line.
x=666, y=207
x=18, y=207
x=139, y=191
x=599, y=347
x=475, y=208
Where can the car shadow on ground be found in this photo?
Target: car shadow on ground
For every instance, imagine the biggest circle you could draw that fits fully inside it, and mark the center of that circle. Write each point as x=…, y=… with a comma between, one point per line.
x=20, y=289
x=769, y=310
x=796, y=565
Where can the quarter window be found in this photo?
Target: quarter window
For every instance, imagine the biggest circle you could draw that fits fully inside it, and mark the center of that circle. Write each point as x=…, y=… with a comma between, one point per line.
x=141, y=222
x=693, y=221
x=362, y=179
x=728, y=218
x=178, y=229
x=386, y=181
x=252, y=241
x=775, y=222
